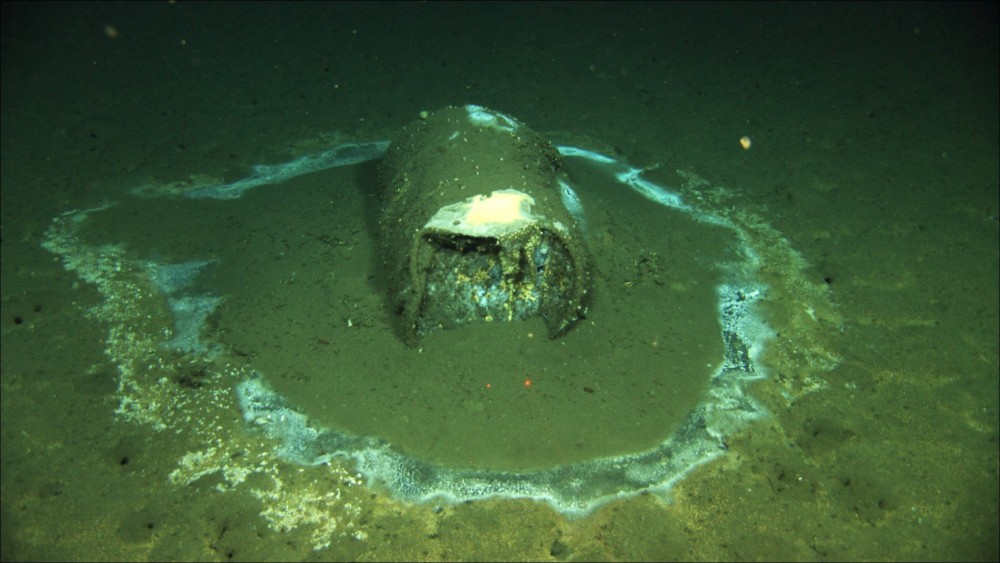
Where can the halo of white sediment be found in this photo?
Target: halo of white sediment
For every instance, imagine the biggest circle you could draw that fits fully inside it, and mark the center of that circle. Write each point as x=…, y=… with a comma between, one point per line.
x=572, y=489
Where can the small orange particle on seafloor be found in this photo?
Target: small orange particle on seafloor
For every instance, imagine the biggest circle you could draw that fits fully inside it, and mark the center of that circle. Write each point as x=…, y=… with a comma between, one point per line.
x=745, y=142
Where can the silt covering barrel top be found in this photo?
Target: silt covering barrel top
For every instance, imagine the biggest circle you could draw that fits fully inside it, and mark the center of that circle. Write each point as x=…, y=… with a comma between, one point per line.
x=473, y=226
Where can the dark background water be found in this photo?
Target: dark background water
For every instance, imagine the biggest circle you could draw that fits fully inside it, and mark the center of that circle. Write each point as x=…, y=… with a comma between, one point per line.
x=875, y=155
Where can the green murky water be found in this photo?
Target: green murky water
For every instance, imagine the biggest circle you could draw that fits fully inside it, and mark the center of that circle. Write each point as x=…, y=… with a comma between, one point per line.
x=869, y=191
